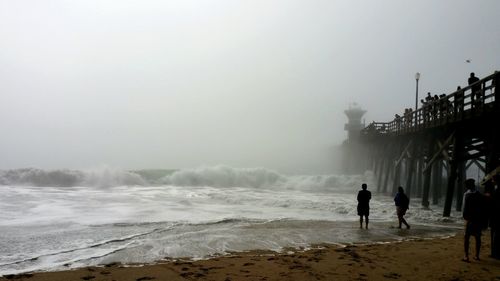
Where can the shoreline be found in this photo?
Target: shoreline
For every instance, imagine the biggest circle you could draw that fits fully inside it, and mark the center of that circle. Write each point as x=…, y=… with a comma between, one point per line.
x=411, y=259
x=287, y=235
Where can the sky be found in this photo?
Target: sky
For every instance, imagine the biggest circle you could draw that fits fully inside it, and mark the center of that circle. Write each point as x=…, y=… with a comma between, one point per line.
x=184, y=84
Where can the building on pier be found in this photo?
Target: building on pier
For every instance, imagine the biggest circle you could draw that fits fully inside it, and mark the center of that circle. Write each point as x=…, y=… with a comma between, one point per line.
x=352, y=150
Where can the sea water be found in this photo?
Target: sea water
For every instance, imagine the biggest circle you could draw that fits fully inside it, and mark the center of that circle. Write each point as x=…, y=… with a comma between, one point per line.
x=53, y=220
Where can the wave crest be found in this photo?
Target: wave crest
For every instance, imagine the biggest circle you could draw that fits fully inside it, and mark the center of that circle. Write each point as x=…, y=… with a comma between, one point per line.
x=216, y=176
x=104, y=177
x=222, y=176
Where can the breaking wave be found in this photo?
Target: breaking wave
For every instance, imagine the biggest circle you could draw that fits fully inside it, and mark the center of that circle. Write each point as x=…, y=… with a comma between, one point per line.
x=222, y=176
x=216, y=176
x=67, y=178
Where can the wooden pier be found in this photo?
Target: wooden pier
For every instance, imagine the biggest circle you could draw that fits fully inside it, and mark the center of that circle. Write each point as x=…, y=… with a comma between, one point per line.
x=429, y=151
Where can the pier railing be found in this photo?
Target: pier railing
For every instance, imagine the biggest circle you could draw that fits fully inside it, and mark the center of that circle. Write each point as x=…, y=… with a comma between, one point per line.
x=469, y=102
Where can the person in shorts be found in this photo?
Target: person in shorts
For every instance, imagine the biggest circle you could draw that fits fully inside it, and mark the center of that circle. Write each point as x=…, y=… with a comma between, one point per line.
x=473, y=216
x=364, y=197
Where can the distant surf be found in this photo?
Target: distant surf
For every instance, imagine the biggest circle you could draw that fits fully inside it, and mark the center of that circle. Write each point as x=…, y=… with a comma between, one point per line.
x=217, y=176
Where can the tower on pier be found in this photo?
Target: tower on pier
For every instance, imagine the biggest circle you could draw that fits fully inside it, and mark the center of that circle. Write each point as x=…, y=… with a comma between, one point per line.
x=353, y=154
x=354, y=125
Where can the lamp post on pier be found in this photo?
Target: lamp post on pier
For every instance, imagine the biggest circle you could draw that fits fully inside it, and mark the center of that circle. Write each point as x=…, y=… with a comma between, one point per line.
x=417, y=77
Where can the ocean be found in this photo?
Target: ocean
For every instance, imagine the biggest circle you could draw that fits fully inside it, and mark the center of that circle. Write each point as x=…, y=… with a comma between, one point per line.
x=61, y=219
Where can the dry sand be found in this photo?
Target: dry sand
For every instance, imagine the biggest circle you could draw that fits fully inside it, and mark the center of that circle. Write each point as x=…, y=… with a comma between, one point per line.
x=432, y=259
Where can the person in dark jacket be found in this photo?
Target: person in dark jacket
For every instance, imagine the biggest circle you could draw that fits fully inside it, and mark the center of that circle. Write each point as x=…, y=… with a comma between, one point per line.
x=473, y=215
x=473, y=79
x=476, y=90
x=364, y=197
x=402, y=205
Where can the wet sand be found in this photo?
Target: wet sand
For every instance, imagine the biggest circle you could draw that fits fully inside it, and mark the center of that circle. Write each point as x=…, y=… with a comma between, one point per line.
x=422, y=259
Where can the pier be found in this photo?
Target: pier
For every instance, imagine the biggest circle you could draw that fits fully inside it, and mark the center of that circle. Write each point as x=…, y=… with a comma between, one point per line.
x=429, y=151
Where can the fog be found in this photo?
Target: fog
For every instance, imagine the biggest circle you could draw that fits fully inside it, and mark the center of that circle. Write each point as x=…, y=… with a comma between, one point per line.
x=183, y=84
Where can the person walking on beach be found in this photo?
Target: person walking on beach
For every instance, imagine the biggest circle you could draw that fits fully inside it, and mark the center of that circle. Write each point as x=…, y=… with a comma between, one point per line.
x=473, y=216
x=402, y=204
x=364, y=197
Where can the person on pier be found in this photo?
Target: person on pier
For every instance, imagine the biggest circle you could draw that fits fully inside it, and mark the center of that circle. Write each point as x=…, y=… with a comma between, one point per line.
x=398, y=118
x=364, y=197
x=473, y=215
x=428, y=102
x=473, y=79
x=402, y=205
x=424, y=110
x=476, y=95
x=458, y=100
x=435, y=107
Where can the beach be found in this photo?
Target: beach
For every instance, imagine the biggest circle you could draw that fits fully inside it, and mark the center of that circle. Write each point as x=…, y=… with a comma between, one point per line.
x=419, y=259
x=196, y=225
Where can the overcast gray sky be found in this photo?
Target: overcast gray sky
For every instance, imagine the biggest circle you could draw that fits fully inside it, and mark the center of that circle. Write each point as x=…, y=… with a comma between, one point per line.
x=180, y=84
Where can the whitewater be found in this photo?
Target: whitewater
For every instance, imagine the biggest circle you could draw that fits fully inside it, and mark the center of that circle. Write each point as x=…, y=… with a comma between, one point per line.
x=60, y=219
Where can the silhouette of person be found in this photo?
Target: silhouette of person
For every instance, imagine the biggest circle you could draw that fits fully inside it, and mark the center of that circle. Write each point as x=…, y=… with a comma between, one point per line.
x=476, y=89
x=473, y=216
x=435, y=107
x=428, y=100
x=402, y=205
x=473, y=79
x=397, y=118
x=424, y=110
x=459, y=100
x=364, y=197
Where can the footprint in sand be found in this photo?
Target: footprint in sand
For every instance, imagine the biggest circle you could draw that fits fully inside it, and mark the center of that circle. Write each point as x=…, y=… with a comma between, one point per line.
x=144, y=278
x=392, y=275
x=186, y=274
x=298, y=267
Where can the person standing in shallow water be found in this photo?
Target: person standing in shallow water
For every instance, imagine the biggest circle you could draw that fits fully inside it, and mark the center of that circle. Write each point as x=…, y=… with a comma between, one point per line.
x=402, y=204
x=364, y=197
x=473, y=215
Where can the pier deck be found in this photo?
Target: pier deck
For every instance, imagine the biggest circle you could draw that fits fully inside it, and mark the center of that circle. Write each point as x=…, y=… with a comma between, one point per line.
x=422, y=149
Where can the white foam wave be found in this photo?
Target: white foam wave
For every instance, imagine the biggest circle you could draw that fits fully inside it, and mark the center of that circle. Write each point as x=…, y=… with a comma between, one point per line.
x=101, y=177
x=223, y=176
x=216, y=176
